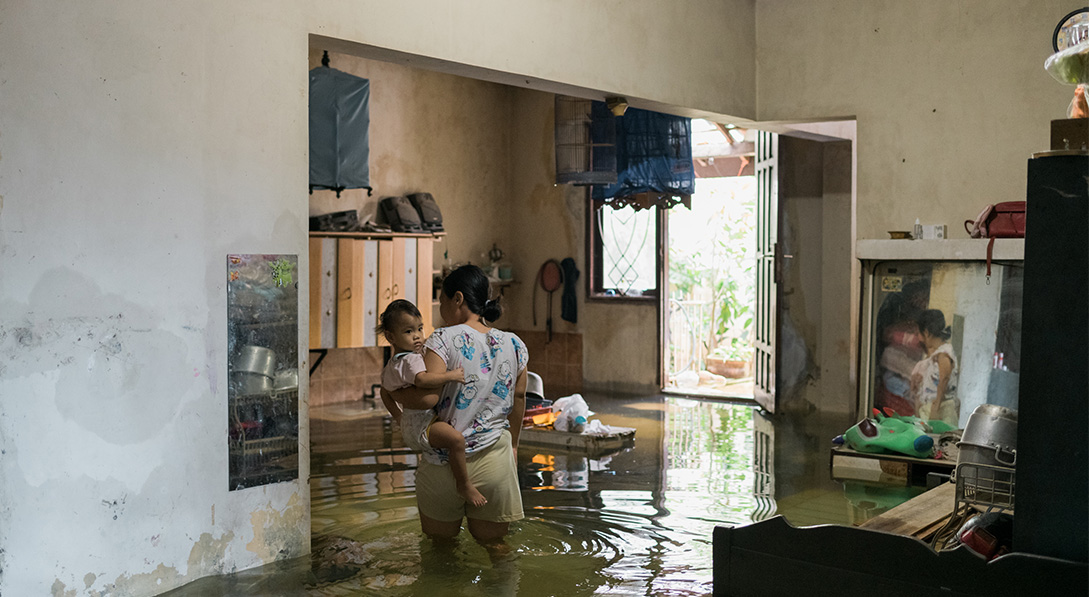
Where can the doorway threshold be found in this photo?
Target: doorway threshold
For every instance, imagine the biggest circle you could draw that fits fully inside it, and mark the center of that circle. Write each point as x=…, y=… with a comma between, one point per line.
x=711, y=394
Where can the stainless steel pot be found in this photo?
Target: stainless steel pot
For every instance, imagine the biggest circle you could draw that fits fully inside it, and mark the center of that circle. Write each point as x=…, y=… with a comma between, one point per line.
x=246, y=383
x=990, y=437
x=256, y=359
x=288, y=379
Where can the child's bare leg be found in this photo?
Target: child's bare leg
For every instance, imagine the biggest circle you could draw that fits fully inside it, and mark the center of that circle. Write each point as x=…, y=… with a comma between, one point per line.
x=442, y=435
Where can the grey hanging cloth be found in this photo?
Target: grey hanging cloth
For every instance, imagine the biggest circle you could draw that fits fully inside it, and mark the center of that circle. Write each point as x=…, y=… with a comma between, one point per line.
x=569, y=306
x=339, y=120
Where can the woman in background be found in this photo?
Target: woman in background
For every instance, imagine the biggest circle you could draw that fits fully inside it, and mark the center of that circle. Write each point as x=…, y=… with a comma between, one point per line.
x=934, y=378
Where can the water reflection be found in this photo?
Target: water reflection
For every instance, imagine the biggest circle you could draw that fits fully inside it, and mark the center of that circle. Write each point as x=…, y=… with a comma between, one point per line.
x=637, y=521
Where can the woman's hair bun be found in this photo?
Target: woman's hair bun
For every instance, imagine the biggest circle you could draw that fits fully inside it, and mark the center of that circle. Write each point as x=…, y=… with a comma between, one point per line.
x=492, y=309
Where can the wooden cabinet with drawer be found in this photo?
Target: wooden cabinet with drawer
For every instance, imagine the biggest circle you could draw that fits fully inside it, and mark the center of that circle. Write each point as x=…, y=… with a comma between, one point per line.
x=354, y=277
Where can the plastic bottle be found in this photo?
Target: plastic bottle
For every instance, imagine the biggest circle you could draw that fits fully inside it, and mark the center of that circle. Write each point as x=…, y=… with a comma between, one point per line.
x=917, y=232
x=578, y=421
x=573, y=414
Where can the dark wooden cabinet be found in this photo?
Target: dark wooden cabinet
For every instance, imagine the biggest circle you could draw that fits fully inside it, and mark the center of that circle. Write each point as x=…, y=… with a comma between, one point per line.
x=1052, y=512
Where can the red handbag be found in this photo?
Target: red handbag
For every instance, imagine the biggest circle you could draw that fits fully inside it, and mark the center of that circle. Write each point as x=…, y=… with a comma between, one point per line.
x=1001, y=220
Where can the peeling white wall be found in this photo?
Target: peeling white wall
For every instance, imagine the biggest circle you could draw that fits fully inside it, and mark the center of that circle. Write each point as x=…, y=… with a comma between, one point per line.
x=140, y=143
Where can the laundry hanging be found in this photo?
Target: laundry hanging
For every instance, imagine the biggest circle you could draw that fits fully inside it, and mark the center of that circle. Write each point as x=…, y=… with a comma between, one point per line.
x=569, y=306
x=653, y=159
x=339, y=122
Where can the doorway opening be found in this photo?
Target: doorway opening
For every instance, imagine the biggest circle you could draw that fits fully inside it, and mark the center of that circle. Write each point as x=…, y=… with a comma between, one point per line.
x=710, y=268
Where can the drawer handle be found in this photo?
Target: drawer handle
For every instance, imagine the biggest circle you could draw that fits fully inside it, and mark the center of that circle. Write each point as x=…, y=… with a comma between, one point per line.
x=387, y=293
x=395, y=289
x=348, y=294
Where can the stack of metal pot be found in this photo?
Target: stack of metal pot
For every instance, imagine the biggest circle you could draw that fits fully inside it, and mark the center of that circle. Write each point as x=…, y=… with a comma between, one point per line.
x=988, y=454
x=253, y=370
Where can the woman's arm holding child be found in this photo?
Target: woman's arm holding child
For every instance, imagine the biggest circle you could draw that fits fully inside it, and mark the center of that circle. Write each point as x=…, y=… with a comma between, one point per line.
x=427, y=379
x=391, y=404
x=420, y=397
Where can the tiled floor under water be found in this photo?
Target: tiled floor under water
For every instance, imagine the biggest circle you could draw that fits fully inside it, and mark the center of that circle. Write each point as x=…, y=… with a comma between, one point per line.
x=635, y=522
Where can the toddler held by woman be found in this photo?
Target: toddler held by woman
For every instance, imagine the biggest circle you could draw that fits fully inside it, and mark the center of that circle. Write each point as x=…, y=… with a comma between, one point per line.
x=421, y=428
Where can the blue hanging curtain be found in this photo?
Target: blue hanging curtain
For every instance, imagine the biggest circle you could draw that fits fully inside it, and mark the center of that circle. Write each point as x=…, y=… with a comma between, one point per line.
x=339, y=121
x=653, y=159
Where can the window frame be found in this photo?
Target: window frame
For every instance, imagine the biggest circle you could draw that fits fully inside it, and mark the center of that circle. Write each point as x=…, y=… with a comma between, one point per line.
x=594, y=290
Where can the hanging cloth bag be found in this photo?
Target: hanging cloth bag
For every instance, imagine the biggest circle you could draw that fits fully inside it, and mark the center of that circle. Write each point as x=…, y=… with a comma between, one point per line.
x=339, y=123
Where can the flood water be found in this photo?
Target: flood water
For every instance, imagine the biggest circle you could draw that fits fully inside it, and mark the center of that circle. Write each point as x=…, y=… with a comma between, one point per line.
x=637, y=521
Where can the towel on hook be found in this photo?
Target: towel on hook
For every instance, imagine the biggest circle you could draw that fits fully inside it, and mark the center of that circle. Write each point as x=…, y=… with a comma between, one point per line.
x=569, y=307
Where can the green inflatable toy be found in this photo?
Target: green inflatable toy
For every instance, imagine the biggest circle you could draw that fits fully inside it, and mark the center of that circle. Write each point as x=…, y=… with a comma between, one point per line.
x=889, y=434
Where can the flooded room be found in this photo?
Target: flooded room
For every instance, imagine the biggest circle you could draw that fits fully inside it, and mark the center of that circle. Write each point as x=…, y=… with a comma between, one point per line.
x=727, y=297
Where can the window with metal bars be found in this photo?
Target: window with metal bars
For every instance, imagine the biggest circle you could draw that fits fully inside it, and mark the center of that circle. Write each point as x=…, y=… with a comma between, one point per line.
x=623, y=245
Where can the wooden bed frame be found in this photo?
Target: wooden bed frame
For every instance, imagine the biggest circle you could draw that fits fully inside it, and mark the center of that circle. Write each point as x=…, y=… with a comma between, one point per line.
x=772, y=557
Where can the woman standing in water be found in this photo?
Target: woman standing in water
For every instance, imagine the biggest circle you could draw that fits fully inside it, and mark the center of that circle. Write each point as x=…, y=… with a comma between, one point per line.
x=934, y=378
x=487, y=409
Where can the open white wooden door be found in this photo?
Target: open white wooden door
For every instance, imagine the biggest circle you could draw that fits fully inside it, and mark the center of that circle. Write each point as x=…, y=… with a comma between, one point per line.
x=765, y=363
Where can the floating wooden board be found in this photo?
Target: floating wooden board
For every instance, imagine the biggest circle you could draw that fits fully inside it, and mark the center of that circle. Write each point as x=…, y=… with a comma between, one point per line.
x=593, y=443
x=919, y=516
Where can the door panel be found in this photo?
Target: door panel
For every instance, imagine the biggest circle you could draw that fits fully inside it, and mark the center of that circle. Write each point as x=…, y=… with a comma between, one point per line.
x=765, y=363
x=323, y=292
x=411, y=248
x=398, y=268
x=370, y=291
x=424, y=265
x=350, y=276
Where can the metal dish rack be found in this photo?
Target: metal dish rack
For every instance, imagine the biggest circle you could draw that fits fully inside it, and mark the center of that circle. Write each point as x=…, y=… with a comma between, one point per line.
x=987, y=486
x=255, y=447
x=979, y=487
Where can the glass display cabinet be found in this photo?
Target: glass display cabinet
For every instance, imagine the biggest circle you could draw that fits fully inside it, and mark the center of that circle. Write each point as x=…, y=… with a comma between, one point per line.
x=924, y=297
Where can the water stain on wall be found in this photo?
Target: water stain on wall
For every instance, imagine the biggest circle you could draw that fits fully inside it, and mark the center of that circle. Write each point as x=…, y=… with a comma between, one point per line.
x=112, y=356
x=60, y=590
x=206, y=558
x=276, y=533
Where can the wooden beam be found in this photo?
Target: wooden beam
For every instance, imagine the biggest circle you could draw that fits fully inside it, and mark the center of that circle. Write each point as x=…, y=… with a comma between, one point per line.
x=918, y=515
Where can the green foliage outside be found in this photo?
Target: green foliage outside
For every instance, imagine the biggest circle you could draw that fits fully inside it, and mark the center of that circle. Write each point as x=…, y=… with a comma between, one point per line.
x=712, y=257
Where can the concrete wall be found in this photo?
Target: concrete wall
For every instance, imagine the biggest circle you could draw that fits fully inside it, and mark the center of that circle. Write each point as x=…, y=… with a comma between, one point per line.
x=444, y=134
x=548, y=221
x=140, y=143
x=696, y=54
x=817, y=346
x=951, y=98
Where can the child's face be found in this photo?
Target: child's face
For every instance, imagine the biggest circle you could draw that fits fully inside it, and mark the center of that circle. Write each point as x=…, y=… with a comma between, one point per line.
x=406, y=333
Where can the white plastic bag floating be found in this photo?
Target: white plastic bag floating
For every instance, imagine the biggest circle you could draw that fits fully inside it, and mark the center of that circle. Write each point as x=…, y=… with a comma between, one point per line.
x=573, y=413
